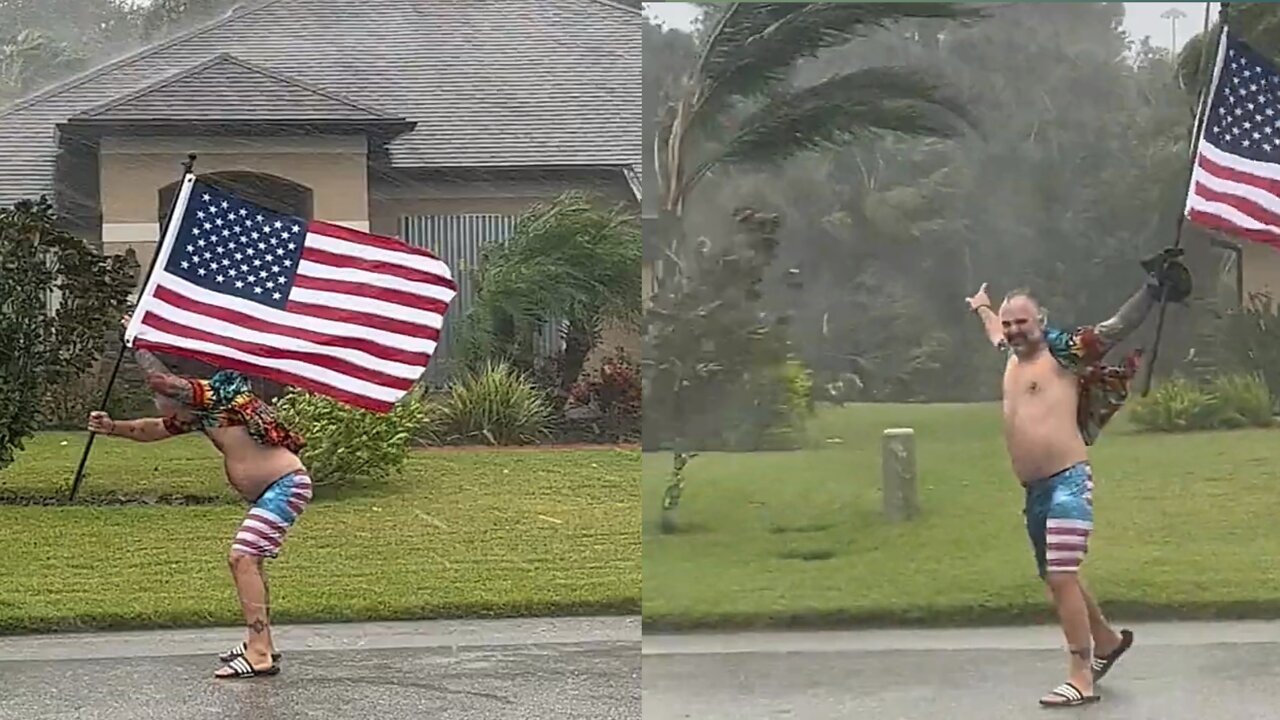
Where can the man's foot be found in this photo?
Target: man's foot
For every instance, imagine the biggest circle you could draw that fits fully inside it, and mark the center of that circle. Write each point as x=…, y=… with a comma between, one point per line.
x=242, y=668
x=240, y=650
x=1069, y=695
x=1102, y=663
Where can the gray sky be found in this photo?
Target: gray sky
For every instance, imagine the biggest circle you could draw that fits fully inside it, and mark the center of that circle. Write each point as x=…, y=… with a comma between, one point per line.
x=1141, y=18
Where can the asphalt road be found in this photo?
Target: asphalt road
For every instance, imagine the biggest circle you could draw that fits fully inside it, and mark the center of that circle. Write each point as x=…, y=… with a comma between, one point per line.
x=1224, y=671
x=491, y=670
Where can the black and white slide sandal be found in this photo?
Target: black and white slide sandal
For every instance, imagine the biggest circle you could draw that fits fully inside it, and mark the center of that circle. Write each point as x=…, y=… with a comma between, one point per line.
x=1102, y=665
x=243, y=669
x=1070, y=697
x=240, y=650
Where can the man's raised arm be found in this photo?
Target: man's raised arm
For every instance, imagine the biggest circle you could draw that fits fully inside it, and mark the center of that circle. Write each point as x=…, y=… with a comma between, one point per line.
x=1165, y=274
x=981, y=305
x=1131, y=314
x=161, y=380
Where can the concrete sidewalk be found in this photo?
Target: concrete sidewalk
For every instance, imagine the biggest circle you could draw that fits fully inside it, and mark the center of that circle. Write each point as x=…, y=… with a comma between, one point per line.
x=1226, y=671
x=527, y=668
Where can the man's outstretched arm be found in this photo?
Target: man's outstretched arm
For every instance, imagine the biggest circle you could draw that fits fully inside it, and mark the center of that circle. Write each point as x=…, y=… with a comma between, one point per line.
x=1131, y=314
x=141, y=430
x=980, y=304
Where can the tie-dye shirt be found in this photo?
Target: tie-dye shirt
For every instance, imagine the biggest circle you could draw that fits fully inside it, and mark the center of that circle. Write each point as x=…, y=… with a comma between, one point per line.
x=226, y=400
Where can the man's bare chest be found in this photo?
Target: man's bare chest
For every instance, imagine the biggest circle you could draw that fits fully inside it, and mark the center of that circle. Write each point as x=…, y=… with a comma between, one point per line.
x=1036, y=380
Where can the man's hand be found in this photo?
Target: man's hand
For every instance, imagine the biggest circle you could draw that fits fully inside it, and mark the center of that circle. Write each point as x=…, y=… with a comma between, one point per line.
x=101, y=423
x=979, y=299
x=1171, y=277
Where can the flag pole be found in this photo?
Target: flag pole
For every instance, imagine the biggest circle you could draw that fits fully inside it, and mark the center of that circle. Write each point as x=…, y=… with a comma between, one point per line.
x=187, y=167
x=1206, y=92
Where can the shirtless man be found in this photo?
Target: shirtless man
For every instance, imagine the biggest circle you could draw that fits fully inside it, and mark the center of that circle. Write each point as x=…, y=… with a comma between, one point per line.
x=1057, y=397
x=262, y=465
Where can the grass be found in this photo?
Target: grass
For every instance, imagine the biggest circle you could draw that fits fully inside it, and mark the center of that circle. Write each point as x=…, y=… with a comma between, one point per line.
x=485, y=533
x=1186, y=528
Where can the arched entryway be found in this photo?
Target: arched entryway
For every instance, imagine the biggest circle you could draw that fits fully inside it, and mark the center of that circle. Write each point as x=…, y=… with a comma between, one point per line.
x=270, y=191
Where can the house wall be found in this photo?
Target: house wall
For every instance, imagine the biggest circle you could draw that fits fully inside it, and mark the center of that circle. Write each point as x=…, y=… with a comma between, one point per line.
x=132, y=170
x=1261, y=267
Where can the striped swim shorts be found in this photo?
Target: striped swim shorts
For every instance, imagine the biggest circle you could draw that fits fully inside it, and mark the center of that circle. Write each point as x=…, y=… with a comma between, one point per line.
x=271, y=516
x=1060, y=519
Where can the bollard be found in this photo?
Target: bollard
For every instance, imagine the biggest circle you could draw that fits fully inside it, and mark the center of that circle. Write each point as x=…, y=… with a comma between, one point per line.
x=898, y=473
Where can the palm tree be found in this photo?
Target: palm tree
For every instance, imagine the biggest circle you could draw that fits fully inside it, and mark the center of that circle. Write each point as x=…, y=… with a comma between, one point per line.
x=571, y=261
x=747, y=52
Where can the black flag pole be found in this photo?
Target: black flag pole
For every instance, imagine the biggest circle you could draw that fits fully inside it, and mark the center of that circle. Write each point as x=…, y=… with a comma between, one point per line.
x=1206, y=92
x=179, y=199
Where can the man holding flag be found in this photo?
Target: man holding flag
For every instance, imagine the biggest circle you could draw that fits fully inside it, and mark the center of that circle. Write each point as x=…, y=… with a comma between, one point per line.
x=1057, y=396
x=335, y=311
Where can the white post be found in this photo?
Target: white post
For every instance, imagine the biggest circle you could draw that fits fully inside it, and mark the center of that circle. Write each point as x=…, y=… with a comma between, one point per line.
x=898, y=474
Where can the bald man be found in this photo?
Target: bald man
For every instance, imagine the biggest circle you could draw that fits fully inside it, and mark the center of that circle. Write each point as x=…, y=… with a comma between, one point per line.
x=1057, y=396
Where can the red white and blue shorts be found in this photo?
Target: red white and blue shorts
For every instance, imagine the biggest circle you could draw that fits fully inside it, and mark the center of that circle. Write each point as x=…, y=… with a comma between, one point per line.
x=1059, y=514
x=271, y=516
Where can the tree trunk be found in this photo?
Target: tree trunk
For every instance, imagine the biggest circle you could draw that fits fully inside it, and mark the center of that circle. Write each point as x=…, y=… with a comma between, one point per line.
x=579, y=340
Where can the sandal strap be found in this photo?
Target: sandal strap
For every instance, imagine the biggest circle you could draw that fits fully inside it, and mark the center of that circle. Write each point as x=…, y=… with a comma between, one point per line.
x=1068, y=692
x=240, y=649
x=241, y=666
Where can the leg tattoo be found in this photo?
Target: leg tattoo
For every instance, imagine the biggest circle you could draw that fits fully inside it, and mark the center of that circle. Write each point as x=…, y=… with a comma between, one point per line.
x=257, y=626
x=1085, y=653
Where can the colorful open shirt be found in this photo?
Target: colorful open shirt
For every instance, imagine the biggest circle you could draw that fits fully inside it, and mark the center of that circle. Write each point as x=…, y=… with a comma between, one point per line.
x=1103, y=389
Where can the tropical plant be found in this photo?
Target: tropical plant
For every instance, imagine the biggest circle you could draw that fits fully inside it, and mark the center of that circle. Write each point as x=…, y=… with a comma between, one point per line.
x=1247, y=339
x=1224, y=402
x=59, y=298
x=568, y=261
x=736, y=106
x=31, y=59
x=347, y=445
x=494, y=404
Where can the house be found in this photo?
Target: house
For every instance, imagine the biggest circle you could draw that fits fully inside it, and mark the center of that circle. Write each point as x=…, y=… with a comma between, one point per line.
x=437, y=121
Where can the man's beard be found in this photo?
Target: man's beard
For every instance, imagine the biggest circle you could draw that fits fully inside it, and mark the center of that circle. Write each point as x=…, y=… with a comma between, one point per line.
x=1023, y=346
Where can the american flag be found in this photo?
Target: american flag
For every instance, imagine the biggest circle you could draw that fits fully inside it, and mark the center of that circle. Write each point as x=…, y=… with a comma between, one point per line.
x=318, y=306
x=1235, y=185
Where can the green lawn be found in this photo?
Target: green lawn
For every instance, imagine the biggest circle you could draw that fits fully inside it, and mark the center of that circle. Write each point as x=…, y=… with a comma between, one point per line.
x=485, y=533
x=1187, y=526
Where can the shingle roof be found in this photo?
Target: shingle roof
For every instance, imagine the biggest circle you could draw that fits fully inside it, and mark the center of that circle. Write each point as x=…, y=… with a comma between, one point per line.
x=225, y=87
x=489, y=83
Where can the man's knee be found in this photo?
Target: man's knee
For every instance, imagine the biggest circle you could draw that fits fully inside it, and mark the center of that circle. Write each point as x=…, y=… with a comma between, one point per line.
x=240, y=561
x=1057, y=582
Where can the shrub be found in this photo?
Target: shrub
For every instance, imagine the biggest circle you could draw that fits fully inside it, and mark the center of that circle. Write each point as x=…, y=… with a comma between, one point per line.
x=349, y=445
x=613, y=393
x=494, y=405
x=1225, y=402
x=1243, y=398
x=59, y=299
x=1247, y=339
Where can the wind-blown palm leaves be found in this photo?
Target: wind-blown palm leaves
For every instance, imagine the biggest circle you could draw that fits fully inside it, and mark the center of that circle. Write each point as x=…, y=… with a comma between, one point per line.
x=571, y=260
x=747, y=55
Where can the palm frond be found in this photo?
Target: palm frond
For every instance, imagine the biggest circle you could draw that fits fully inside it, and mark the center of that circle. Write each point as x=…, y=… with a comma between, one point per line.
x=754, y=45
x=839, y=110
